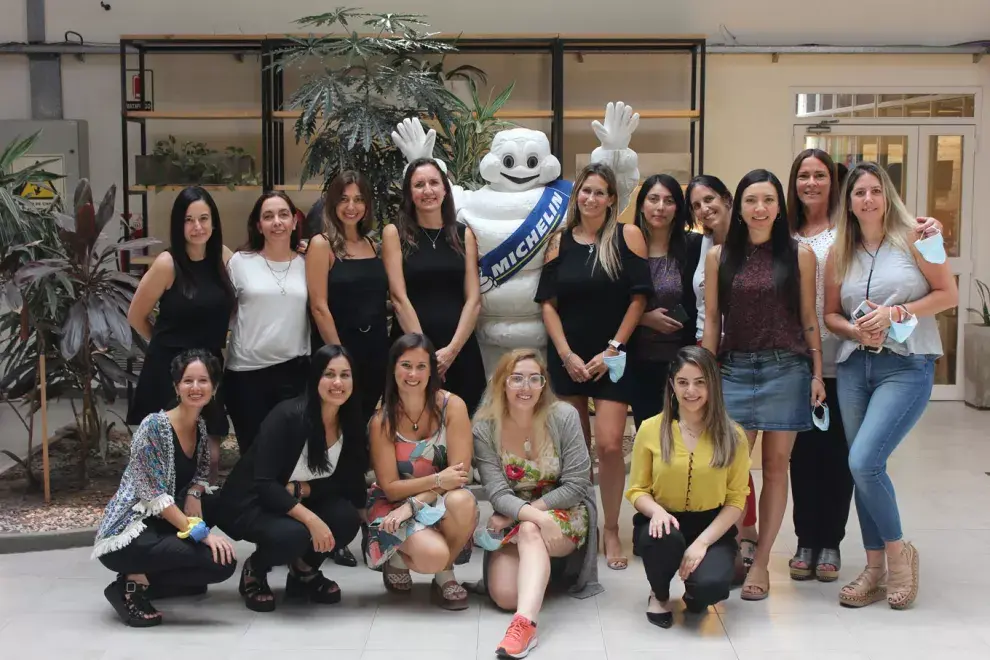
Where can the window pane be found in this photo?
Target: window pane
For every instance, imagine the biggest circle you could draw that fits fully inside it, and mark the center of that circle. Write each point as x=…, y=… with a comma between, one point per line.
x=824, y=104
x=945, y=168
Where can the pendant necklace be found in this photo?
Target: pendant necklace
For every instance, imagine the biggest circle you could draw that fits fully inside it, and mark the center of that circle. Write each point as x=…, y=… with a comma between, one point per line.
x=280, y=281
x=415, y=424
x=433, y=240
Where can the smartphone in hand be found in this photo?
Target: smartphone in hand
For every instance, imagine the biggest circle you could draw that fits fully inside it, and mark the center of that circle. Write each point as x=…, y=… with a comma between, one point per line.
x=861, y=311
x=678, y=314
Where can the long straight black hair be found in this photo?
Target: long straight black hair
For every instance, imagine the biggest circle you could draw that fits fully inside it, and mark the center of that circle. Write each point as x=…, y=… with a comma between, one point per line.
x=680, y=224
x=390, y=411
x=184, y=278
x=354, y=452
x=407, y=223
x=786, y=276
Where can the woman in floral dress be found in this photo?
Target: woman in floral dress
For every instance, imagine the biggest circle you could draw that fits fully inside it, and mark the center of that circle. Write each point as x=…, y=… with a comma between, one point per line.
x=534, y=465
x=420, y=515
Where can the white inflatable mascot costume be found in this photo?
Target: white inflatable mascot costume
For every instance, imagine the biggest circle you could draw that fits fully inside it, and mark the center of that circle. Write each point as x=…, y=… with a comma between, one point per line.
x=514, y=215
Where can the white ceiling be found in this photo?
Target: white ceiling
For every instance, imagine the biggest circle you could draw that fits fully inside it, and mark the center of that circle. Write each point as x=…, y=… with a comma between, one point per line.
x=753, y=22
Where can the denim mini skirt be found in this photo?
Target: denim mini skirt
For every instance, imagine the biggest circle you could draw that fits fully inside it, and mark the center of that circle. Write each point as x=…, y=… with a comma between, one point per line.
x=767, y=390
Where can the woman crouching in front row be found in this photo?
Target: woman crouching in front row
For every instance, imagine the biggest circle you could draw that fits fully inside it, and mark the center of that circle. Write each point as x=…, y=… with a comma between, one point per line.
x=155, y=547
x=688, y=481
x=535, y=468
x=421, y=517
x=297, y=491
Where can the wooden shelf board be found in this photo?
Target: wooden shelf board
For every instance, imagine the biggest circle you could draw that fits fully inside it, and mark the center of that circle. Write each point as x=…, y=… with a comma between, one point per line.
x=143, y=259
x=217, y=187
x=643, y=114
x=285, y=187
x=504, y=114
x=193, y=37
x=501, y=37
x=193, y=114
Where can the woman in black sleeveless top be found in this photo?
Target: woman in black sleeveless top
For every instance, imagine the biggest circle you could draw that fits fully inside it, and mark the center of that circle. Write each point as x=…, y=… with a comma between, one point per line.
x=348, y=288
x=195, y=299
x=432, y=266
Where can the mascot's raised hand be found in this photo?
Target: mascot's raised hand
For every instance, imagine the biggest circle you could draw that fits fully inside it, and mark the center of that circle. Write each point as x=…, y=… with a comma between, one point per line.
x=620, y=124
x=412, y=140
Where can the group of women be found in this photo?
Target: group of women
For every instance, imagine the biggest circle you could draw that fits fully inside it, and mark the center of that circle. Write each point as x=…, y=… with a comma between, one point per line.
x=832, y=283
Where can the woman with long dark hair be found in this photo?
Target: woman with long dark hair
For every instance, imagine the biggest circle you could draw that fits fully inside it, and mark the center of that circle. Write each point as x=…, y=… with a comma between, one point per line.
x=671, y=313
x=760, y=287
x=434, y=282
x=421, y=515
x=195, y=298
x=881, y=298
x=269, y=339
x=155, y=547
x=593, y=290
x=297, y=492
x=348, y=287
x=687, y=481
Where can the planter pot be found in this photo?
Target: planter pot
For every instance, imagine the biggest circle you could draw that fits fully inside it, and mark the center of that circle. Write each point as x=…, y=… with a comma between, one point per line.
x=976, y=348
x=160, y=171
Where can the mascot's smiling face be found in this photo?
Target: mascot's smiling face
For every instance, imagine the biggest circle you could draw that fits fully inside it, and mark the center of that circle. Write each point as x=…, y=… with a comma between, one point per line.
x=519, y=160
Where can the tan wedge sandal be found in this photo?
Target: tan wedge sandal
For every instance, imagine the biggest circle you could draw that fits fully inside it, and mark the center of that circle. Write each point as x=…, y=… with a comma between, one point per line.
x=902, y=581
x=868, y=588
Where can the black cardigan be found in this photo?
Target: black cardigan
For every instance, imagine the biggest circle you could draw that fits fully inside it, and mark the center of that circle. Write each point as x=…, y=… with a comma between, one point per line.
x=258, y=480
x=692, y=257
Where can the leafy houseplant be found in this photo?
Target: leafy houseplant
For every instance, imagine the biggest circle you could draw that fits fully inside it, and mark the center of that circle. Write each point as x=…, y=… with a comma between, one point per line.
x=368, y=84
x=976, y=347
x=88, y=323
x=172, y=163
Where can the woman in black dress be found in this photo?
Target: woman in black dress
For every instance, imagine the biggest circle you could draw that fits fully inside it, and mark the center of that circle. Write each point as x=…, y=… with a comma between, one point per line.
x=593, y=289
x=432, y=266
x=190, y=285
x=348, y=287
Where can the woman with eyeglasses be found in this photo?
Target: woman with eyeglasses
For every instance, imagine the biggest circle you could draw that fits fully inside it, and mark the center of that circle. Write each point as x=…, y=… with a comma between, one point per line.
x=534, y=465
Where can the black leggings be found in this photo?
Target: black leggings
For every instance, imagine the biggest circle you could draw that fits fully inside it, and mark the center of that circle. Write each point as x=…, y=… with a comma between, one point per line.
x=280, y=539
x=710, y=581
x=821, y=483
x=167, y=560
x=251, y=395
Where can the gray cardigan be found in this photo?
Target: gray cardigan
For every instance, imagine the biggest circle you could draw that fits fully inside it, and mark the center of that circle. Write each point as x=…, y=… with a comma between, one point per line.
x=573, y=487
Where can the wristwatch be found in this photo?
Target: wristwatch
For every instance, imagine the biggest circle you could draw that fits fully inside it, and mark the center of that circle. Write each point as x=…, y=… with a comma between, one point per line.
x=616, y=345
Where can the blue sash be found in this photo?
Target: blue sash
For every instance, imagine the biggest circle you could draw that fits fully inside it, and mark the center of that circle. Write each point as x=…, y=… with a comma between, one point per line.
x=517, y=250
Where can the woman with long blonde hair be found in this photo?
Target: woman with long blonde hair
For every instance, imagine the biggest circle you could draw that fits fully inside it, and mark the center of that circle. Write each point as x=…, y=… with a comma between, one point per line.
x=535, y=467
x=688, y=482
x=881, y=298
x=593, y=290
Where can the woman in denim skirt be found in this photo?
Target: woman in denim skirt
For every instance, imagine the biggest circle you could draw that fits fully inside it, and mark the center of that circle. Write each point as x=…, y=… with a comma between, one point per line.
x=760, y=289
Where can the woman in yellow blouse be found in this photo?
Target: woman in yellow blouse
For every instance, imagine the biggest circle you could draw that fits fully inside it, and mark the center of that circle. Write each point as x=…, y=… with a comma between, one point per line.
x=688, y=481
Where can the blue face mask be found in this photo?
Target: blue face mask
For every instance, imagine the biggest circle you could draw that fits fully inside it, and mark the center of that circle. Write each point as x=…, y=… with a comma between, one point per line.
x=616, y=366
x=932, y=248
x=430, y=515
x=900, y=331
x=483, y=539
x=820, y=422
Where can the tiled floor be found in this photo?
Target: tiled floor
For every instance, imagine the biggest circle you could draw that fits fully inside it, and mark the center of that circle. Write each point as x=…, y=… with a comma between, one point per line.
x=51, y=604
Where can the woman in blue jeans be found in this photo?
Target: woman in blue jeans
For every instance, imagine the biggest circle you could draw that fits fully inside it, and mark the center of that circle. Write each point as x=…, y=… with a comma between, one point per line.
x=882, y=292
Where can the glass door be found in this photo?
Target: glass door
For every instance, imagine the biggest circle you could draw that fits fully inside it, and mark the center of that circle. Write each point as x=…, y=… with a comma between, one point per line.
x=932, y=169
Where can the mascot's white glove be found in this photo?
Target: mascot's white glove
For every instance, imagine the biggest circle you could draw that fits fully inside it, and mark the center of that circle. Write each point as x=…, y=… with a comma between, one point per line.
x=410, y=138
x=620, y=123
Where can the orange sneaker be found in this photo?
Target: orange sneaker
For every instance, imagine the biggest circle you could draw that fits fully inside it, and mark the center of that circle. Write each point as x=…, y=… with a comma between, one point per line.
x=519, y=639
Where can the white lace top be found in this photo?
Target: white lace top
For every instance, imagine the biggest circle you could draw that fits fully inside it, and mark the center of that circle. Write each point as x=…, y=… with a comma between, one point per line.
x=820, y=244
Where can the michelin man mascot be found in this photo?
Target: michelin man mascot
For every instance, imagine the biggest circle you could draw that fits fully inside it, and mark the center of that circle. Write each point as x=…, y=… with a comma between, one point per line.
x=514, y=215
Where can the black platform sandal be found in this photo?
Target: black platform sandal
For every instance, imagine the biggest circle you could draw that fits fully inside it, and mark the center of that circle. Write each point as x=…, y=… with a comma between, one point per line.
x=253, y=592
x=132, y=606
x=312, y=586
x=343, y=557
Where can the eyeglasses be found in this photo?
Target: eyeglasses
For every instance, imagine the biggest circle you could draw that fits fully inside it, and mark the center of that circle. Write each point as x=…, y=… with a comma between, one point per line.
x=518, y=381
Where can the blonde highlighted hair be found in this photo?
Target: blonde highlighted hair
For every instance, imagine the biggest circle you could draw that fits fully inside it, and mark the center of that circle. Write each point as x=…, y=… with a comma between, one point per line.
x=718, y=425
x=607, y=255
x=898, y=223
x=494, y=405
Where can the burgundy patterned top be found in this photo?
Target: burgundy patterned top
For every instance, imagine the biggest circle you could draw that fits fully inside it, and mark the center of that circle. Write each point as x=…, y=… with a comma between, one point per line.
x=758, y=320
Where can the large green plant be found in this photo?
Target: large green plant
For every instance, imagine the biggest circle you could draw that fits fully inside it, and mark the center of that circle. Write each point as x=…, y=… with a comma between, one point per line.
x=367, y=85
x=85, y=332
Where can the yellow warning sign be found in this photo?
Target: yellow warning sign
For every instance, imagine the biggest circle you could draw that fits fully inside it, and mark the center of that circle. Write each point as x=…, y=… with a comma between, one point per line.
x=42, y=195
x=34, y=191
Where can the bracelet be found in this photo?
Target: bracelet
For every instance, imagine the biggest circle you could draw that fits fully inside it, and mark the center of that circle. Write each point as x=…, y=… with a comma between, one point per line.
x=414, y=504
x=436, y=480
x=814, y=350
x=819, y=380
x=197, y=530
x=296, y=489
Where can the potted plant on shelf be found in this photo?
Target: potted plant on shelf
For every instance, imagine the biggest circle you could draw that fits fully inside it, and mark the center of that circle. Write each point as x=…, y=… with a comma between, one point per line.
x=171, y=163
x=976, y=348
x=367, y=84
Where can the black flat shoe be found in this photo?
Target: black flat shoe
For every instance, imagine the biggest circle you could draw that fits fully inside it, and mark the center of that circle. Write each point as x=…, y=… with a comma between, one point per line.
x=343, y=557
x=661, y=620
